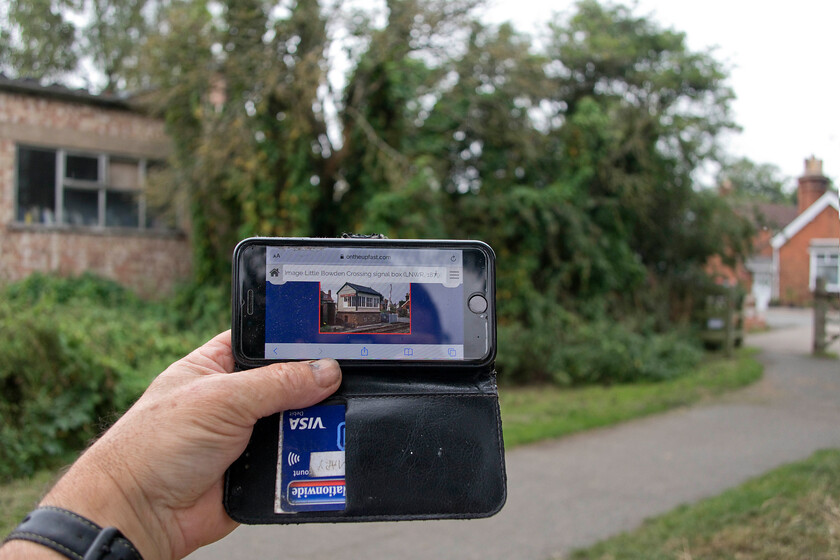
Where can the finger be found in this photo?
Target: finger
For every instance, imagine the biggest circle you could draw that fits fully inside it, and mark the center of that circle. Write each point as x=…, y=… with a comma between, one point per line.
x=264, y=391
x=216, y=355
x=218, y=352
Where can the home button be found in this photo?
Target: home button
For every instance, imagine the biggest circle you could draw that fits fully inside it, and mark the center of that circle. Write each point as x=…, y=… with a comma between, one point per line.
x=478, y=304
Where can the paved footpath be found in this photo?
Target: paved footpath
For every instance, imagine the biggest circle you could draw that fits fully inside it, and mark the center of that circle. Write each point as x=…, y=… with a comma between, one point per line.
x=578, y=490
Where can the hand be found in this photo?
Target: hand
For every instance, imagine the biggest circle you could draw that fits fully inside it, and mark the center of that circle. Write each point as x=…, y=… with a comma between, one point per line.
x=157, y=473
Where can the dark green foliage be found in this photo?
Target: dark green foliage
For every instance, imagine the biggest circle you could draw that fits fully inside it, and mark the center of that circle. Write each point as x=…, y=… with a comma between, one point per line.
x=567, y=350
x=54, y=391
x=573, y=157
x=47, y=39
x=74, y=353
x=750, y=181
x=574, y=163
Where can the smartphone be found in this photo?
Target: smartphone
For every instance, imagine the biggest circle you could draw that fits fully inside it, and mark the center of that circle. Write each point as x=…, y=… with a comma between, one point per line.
x=377, y=302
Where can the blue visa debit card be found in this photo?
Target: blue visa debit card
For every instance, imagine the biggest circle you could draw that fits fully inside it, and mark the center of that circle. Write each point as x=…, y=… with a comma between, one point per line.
x=310, y=460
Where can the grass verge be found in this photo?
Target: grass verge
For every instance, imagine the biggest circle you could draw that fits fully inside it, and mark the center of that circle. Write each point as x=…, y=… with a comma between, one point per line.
x=531, y=414
x=787, y=514
x=19, y=497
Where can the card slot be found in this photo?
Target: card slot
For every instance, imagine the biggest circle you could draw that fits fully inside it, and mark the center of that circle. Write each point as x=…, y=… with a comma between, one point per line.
x=310, y=474
x=250, y=480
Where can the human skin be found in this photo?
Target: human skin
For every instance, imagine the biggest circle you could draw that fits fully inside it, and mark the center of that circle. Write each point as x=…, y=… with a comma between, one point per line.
x=156, y=474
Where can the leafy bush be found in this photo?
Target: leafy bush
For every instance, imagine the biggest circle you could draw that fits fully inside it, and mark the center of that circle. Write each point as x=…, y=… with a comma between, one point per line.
x=74, y=353
x=77, y=351
x=54, y=390
x=567, y=350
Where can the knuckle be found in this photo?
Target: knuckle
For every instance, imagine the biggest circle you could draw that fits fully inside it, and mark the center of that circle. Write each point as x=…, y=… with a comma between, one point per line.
x=291, y=377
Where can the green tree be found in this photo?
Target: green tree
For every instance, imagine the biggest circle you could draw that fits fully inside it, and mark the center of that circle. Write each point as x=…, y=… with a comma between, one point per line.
x=755, y=181
x=640, y=112
x=51, y=39
x=37, y=39
x=573, y=157
x=239, y=89
x=384, y=106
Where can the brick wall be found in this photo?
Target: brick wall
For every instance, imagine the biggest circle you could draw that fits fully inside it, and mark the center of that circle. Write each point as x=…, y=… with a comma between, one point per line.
x=149, y=262
x=148, y=265
x=795, y=260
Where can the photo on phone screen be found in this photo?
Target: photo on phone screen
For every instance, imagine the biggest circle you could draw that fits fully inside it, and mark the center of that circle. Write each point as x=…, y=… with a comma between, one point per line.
x=347, y=307
x=350, y=302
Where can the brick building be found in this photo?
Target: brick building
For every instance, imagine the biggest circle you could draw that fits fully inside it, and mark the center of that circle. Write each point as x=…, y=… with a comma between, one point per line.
x=809, y=246
x=358, y=305
x=72, y=173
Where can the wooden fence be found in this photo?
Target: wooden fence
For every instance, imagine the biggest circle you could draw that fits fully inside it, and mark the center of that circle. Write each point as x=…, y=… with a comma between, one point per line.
x=826, y=318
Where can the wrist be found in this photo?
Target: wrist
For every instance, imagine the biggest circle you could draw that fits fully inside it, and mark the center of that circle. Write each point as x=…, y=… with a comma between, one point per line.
x=72, y=536
x=12, y=550
x=90, y=489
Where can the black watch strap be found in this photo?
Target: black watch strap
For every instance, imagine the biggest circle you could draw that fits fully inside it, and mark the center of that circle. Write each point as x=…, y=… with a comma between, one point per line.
x=74, y=536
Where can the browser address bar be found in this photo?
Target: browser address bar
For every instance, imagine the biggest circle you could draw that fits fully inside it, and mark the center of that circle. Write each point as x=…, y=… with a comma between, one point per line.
x=448, y=276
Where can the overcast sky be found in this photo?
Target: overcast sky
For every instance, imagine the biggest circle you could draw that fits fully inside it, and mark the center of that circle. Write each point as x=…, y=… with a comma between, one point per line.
x=783, y=60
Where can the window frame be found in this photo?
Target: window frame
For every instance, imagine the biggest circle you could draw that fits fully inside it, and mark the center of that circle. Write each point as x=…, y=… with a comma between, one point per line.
x=821, y=248
x=100, y=186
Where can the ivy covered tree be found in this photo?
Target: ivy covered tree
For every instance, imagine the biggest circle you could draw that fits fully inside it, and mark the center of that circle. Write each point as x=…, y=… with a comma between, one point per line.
x=573, y=157
x=240, y=89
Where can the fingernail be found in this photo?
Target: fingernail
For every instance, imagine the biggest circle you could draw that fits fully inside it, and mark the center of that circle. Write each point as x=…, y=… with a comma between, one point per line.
x=326, y=372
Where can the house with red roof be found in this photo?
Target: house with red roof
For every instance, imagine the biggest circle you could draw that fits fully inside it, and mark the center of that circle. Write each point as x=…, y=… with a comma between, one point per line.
x=805, y=248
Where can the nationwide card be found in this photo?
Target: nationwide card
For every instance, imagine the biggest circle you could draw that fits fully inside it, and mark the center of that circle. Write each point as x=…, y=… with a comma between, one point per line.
x=310, y=462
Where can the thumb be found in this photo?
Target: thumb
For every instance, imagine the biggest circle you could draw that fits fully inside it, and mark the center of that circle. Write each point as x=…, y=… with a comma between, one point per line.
x=261, y=392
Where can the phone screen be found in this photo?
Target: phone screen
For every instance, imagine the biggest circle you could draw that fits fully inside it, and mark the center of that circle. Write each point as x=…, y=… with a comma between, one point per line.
x=376, y=303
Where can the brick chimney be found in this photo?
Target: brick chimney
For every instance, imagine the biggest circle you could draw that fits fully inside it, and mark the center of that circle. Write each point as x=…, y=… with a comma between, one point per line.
x=812, y=185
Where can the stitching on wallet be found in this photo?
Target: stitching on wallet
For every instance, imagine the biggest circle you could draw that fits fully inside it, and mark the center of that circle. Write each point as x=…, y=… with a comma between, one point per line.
x=501, y=442
x=40, y=539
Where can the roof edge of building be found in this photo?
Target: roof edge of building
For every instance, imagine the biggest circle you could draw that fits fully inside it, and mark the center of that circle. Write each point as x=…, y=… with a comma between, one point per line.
x=33, y=87
x=829, y=199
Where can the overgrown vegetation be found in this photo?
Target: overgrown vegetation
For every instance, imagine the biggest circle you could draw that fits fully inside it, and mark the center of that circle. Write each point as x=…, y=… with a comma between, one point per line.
x=74, y=352
x=788, y=514
x=573, y=351
x=573, y=156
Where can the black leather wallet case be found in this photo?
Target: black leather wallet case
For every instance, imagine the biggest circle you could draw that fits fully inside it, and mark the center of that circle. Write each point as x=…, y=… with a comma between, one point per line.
x=420, y=444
